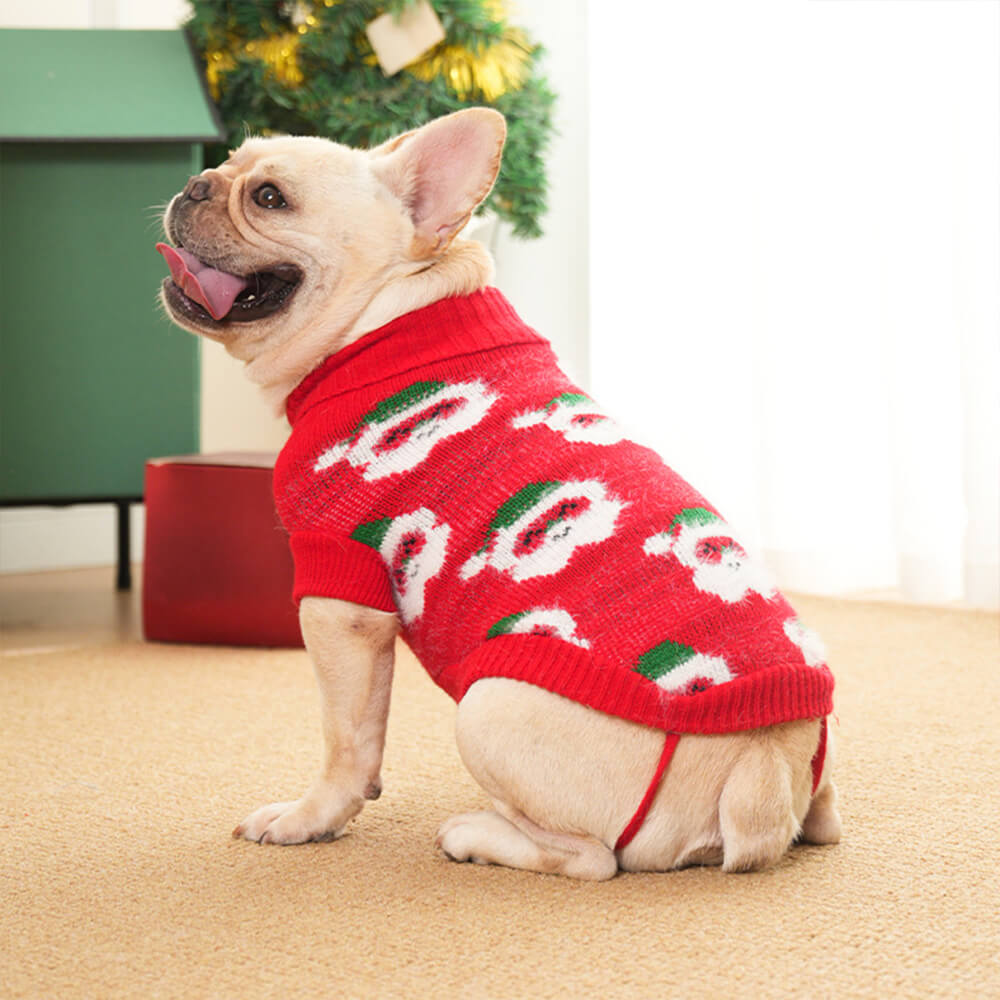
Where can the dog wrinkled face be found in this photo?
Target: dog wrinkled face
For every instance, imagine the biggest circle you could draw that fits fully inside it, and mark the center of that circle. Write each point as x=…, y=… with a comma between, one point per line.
x=283, y=249
x=220, y=275
x=254, y=240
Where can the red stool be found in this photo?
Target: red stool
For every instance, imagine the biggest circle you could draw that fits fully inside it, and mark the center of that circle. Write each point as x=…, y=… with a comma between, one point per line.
x=217, y=567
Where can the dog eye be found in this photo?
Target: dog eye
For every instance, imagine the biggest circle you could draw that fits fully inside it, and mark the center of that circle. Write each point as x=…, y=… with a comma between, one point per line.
x=268, y=196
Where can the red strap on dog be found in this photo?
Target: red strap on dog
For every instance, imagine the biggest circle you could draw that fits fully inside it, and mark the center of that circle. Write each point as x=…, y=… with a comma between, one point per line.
x=640, y=814
x=819, y=757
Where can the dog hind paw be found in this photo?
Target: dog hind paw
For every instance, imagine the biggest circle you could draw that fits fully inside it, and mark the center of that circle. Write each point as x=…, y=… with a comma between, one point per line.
x=458, y=837
x=822, y=824
x=489, y=838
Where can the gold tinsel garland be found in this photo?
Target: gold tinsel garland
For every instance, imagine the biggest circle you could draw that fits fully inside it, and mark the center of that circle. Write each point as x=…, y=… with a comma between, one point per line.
x=489, y=71
x=280, y=53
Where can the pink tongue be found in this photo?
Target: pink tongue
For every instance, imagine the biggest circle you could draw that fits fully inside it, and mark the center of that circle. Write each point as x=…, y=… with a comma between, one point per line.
x=215, y=290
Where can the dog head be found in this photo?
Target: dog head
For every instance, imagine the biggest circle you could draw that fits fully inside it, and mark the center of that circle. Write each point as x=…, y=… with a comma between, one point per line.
x=284, y=251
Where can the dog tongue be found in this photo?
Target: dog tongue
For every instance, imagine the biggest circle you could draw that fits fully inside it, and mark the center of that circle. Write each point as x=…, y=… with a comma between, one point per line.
x=215, y=290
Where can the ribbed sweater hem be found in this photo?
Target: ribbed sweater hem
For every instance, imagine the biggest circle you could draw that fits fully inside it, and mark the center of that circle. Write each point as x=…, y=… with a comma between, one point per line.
x=329, y=566
x=765, y=698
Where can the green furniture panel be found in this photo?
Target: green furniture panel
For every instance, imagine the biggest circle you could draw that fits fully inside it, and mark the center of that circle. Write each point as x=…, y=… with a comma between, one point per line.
x=105, y=127
x=84, y=85
x=93, y=380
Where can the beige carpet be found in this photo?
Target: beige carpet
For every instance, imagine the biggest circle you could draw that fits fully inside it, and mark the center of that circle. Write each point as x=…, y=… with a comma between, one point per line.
x=124, y=767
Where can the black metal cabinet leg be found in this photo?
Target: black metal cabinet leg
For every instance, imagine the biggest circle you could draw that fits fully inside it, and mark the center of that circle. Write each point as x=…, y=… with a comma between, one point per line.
x=124, y=545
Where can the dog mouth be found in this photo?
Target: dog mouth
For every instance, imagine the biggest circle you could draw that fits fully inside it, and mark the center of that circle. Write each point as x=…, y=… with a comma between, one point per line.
x=204, y=293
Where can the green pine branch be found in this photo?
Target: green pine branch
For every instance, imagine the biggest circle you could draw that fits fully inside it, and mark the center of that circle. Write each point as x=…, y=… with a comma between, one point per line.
x=345, y=96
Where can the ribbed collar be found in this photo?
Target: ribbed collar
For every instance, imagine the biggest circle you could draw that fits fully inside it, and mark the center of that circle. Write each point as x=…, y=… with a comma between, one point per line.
x=449, y=328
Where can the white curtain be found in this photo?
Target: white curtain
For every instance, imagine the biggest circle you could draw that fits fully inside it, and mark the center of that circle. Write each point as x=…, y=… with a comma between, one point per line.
x=795, y=276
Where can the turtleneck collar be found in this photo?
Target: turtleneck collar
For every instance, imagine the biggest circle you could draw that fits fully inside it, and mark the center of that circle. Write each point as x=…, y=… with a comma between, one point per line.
x=448, y=328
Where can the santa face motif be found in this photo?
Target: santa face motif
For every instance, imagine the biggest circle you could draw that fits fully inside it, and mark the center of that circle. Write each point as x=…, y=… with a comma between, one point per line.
x=546, y=622
x=813, y=650
x=402, y=430
x=680, y=670
x=413, y=548
x=702, y=541
x=537, y=531
x=576, y=417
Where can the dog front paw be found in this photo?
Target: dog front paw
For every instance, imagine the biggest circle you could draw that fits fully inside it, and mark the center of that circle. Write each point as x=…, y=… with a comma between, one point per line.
x=308, y=818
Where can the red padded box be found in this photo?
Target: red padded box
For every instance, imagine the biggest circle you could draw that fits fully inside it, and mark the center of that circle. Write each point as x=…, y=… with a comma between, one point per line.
x=217, y=566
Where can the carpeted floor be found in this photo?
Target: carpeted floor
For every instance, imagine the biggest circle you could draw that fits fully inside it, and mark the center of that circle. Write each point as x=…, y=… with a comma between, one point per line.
x=125, y=765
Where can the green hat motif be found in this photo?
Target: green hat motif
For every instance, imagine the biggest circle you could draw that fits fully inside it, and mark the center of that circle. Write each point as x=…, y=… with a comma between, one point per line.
x=661, y=659
x=373, y=533
x=568, y=399
x=505, y=625
x=517, y=506
x=694, y=517
x=400, y=401
x=520, y=503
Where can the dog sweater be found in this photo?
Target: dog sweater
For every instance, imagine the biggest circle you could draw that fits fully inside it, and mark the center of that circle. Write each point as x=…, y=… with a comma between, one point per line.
x=444, y=467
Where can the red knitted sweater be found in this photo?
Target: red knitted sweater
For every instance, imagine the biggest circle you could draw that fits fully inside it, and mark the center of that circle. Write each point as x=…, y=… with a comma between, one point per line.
x=443, y=466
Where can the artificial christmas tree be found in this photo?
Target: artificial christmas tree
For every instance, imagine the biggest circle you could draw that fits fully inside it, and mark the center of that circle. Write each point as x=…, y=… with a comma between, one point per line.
x=312, y=67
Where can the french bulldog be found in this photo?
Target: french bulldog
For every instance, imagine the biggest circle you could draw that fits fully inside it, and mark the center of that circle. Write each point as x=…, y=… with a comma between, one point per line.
x=632, y=692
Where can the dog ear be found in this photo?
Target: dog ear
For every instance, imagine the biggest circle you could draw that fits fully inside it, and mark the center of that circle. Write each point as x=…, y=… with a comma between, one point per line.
x=441, y=172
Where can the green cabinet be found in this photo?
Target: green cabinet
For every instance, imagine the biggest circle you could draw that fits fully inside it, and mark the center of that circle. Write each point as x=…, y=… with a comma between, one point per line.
x=98, y=129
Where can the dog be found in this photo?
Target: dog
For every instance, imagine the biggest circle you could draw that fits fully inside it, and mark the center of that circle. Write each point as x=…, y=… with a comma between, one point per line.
x=633, y=694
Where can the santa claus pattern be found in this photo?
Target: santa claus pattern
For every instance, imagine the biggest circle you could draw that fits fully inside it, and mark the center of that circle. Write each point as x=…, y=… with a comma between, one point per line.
x=402, y=430
x=703, y=542
x=679, y=669
x=576, y=417
x=547, y=622
x=465, y=482
x=536, y=531
x=413, y=548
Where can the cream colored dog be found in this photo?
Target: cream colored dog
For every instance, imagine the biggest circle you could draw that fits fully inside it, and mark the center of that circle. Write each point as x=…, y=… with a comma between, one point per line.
x=340, y=242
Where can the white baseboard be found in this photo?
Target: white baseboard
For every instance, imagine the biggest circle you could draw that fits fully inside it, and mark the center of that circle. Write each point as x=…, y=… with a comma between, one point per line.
x=33, y=539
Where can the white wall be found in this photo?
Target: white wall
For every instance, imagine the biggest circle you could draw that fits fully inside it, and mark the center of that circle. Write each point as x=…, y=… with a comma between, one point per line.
x=92, y=13
x=796, y=228
x=545, y=279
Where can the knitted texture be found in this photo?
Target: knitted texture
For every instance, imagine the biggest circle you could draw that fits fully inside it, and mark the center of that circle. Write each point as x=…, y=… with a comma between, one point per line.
x=444, y=467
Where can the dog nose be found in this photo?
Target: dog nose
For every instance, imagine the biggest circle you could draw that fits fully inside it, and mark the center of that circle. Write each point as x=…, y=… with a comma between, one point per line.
x=198, y=189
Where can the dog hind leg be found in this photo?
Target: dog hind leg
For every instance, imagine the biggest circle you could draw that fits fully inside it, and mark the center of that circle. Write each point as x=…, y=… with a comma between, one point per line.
x=560, y=801
x=513, y=840
x=755, y=814
x=822, y=823
x=766, y=796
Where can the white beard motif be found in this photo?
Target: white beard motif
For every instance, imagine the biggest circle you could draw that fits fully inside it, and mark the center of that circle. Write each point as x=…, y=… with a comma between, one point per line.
x=813, y=650
x=414, y=550
x=697, y=673
x=403, y=440
x=543, y=539
x=721, y=565
x=542, y=622
x=577, y=419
